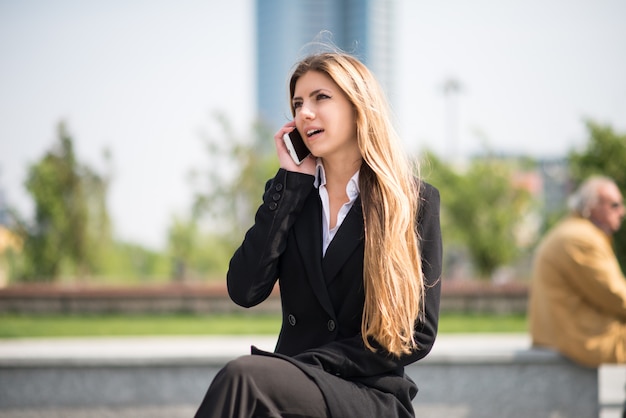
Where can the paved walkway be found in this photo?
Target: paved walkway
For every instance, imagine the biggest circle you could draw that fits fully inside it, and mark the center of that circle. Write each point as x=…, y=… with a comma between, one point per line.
x=612, y=379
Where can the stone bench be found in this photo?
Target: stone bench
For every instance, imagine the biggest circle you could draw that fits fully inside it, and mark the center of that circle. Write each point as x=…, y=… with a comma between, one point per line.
x=464, y=376
x=477, y=376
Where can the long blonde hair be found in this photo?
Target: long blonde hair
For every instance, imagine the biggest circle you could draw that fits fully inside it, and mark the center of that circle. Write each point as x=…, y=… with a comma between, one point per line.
x=392, y=268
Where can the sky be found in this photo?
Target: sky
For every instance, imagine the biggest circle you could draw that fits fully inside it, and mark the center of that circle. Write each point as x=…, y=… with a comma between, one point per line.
x=143, y=79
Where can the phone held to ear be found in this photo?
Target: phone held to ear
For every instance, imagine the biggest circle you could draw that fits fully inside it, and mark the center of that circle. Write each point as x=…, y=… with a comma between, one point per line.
x=296, y=147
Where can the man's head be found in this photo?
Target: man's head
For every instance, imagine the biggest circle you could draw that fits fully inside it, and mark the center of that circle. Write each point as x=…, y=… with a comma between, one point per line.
x=599, y=200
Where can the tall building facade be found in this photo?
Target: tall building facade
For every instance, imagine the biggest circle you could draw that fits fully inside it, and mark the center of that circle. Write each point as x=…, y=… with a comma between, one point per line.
x=287, y=30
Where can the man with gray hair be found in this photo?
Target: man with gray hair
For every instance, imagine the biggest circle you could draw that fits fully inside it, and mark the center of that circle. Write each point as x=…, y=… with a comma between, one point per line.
x=577, y=302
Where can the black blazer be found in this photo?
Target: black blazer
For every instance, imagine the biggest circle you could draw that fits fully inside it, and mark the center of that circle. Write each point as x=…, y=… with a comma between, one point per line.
x=322, y=297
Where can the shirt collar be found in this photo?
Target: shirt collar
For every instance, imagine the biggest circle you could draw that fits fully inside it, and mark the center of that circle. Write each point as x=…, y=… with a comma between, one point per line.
x=320, y=174
x=352, y=188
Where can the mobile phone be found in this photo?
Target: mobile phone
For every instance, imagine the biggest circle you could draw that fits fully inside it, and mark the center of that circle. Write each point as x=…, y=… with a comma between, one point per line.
x=296, y=147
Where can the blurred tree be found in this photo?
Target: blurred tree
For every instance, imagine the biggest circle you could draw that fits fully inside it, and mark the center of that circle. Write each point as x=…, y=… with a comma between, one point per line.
x=481, y=210
x=129, y=263
x=71, y=221
x=605, y=154
x=195, y=253
x=233, y=181
x=182, y=237
x=211, y=255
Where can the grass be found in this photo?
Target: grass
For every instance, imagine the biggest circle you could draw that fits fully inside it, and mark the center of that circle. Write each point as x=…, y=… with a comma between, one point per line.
x=28, y=326
x=478, y=323
x=19, y=326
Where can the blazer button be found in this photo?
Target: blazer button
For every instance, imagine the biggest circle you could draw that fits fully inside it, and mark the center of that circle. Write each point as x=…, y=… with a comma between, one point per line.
x=292, y=320
x=276, y=196
x=331, y=325
x=273, y=205
x=278, y=187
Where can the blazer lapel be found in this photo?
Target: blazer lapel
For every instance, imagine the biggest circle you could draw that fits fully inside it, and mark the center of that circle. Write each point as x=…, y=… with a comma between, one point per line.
x=308, y=233
x=346, y=240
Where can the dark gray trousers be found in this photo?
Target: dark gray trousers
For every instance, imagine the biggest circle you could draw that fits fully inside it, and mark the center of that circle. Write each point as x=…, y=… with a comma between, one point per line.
x=263, y=387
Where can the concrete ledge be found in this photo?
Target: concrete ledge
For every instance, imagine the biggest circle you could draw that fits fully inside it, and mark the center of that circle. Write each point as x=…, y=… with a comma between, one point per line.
x=463, y=377
x=485, y=376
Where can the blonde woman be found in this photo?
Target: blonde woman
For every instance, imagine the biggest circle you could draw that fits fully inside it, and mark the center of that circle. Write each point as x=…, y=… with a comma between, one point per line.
x=353, y=239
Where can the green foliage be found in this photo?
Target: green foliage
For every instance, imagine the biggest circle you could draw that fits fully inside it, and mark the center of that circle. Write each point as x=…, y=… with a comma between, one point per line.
x=182, y=237
x=19, y=326
x=236, y=174
x=194, y=253
x=211, y=255
x=605, y=154
x=71, y=222
x=452, y=323
x=128, y=263
x=70, y=236
x=230, y=192
x=481, y=210
x=11, y=263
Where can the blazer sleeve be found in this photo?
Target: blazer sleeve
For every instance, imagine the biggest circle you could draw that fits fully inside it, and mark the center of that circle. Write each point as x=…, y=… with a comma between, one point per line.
x=349, y=357
x=252, y=271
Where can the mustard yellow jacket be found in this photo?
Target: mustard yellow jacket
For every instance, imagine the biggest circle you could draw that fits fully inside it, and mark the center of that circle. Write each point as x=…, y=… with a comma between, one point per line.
x=577, y=302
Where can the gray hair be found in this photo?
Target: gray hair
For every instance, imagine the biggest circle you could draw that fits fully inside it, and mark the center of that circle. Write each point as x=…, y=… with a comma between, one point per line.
x=586, y=197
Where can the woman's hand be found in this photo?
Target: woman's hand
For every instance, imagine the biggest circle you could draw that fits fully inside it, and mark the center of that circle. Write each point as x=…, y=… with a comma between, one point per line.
x=286, y=162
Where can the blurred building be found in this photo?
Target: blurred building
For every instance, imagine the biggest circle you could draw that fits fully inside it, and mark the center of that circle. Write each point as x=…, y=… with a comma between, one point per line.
x=287, y=30
x=557, y=185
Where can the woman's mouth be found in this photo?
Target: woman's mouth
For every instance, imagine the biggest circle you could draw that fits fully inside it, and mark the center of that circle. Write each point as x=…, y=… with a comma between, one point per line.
x=312, y=132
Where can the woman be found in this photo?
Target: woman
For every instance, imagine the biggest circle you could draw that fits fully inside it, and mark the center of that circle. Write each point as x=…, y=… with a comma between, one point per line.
x=354, y=240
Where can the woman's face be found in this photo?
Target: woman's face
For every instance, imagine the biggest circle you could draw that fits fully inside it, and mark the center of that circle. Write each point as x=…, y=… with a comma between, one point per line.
x=324, y=116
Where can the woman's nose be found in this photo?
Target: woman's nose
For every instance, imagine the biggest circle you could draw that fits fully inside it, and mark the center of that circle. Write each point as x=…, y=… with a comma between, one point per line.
x=306, y=112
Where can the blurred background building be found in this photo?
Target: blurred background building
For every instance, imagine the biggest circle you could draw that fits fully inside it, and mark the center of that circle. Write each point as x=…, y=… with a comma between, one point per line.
x=290, y=29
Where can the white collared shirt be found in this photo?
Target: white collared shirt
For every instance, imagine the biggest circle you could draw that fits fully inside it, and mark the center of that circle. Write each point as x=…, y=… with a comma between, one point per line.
x=352, y=190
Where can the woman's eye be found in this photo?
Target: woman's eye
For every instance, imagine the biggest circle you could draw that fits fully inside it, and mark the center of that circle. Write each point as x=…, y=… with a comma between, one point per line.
x=322, y=96
x=297, y=105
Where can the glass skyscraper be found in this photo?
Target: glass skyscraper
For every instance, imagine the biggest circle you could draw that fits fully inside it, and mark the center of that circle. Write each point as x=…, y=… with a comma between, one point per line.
x=287, y=30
